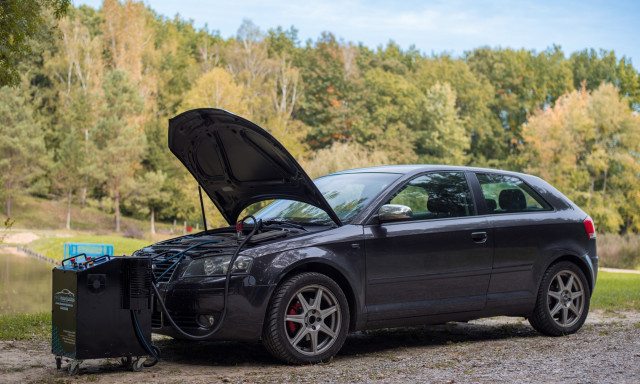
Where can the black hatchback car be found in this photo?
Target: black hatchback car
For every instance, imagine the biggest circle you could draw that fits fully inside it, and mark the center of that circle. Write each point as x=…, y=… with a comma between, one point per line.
x=361, y=249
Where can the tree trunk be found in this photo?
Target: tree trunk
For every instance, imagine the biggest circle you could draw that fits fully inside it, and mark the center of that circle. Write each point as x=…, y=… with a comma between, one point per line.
x=86, y=177
x=604, y=185
x=69, y=209
x=9, y=204
x=84, y=194
x=153, y=227
x=116, y=198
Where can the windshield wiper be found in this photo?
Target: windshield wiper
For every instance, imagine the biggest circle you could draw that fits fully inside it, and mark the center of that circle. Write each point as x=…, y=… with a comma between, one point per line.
x=283, y=223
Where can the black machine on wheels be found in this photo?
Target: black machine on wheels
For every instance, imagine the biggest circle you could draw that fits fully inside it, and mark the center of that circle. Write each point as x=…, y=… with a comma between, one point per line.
x=102, y=309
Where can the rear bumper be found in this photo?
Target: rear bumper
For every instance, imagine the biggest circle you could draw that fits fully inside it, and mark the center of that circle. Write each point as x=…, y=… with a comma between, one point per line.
x=192, y=301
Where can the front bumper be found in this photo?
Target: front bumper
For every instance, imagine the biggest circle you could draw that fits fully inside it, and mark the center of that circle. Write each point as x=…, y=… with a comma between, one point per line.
x=190, y=300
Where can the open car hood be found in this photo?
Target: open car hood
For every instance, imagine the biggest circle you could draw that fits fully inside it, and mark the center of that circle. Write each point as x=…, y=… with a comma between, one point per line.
x=237, y=163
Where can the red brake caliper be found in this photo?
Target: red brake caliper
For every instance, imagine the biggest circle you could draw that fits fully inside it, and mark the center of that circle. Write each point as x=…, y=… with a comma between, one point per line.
x=293, y=310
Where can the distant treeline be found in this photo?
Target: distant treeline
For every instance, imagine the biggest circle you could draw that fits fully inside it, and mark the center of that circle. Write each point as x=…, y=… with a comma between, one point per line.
x=88, y=122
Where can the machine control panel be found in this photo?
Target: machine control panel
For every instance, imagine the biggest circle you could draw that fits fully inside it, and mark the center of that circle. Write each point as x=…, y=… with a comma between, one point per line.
x=82, y=261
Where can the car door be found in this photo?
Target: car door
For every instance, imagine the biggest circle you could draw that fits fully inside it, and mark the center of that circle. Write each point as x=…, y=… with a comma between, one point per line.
x=523, y=224
x=438, y=261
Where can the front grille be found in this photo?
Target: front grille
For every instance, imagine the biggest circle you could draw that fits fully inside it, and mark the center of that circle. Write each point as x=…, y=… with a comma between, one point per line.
x=182, y=319
x=185, y=319
x=160, y=271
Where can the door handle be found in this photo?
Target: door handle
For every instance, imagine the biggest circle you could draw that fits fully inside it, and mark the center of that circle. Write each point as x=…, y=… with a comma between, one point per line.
x=479, y=237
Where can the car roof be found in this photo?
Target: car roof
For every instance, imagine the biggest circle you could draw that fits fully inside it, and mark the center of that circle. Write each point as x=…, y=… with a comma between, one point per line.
x=409, y=169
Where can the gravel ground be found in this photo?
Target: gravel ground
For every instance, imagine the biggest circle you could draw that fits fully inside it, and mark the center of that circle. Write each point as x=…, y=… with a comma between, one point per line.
x=606, y=350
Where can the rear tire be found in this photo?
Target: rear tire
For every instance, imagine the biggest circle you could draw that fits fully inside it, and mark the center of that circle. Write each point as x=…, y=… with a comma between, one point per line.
x=307, y=320
x=563, y=298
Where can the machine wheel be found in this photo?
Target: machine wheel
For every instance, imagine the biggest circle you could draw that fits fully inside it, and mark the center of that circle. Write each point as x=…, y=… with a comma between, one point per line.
x=74, y=367
x=138, y=364
x=152, y=361
x=125, y=361
x=563, y=300
x=58, y=362
x=307, y=320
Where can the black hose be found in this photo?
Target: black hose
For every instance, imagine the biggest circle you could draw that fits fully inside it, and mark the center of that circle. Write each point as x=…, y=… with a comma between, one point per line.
x=224, y=297
x=141, y=338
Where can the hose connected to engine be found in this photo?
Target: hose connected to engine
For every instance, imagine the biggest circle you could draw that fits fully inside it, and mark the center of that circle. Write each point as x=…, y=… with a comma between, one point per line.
x=226, y=289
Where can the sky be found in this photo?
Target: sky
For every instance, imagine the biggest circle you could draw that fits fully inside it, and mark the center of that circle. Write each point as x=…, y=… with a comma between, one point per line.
x=432, y=26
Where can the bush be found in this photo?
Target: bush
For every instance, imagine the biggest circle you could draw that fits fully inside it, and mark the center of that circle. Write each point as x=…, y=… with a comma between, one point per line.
x=132, y=233
x=619, y=251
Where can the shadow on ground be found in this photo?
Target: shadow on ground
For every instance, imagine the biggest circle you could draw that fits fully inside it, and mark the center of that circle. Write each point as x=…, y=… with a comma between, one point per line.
x=357, y=344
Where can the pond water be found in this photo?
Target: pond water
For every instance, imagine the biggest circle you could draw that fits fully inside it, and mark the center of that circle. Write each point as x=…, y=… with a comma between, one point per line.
x=25, y=283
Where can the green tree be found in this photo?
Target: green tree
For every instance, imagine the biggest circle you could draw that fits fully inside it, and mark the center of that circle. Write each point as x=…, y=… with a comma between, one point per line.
x=19, y=22
x=442, y=137
x=392, y=59
x=593, y=67
x=146, y=195
x=473, y=97
x=393, y=112
x=523, y=81
x=67, y=170
x=21, y=145
x=324, y=105
x=283, y=42
x=119, y=140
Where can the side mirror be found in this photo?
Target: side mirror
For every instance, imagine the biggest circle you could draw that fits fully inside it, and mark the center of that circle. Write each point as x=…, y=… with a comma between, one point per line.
x=393, y=212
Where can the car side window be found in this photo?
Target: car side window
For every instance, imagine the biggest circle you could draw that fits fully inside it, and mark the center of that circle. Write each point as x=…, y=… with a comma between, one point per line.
x=506, y=194
x=436, y=195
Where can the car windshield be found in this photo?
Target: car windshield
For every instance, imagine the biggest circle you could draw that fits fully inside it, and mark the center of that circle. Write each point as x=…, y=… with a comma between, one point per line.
x=346, y=193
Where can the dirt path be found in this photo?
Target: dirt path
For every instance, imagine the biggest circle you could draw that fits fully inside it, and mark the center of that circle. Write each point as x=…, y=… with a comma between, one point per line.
x=20, y=238
x=616, y=270
x=607, y=349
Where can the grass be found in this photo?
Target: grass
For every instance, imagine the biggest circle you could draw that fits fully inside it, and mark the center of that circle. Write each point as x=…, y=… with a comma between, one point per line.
x=38, y=213
x=25, y=326
x=53, y=247
x=617, y=292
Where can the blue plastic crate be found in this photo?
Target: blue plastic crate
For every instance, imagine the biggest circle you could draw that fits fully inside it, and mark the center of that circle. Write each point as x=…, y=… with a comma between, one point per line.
x=89, y=249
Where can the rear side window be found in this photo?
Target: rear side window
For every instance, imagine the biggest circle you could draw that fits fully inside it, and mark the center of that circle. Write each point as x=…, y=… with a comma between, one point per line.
x=505, y=194
x=436, y=195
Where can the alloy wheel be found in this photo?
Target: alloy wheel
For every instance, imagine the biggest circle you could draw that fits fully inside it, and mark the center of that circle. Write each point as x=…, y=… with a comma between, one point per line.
x=566, y=298
x=312, y=320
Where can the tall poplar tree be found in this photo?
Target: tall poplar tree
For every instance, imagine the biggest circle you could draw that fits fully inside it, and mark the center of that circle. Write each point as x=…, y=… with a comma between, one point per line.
x=119, y=140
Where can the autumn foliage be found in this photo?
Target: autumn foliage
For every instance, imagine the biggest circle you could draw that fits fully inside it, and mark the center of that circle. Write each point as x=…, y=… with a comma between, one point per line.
x=94, y=98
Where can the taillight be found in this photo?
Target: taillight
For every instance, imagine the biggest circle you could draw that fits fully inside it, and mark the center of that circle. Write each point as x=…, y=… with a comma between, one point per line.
x=590, y=228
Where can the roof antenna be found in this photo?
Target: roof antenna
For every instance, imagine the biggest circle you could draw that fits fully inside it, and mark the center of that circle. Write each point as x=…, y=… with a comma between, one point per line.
x=204, y=219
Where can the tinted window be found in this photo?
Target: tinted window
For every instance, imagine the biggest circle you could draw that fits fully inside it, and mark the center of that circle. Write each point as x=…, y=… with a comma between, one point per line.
x=436, y=195
x=504, y=194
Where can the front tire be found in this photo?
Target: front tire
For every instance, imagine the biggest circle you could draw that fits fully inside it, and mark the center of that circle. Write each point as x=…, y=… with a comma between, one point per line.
x=563, y=298
x=307, y=320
